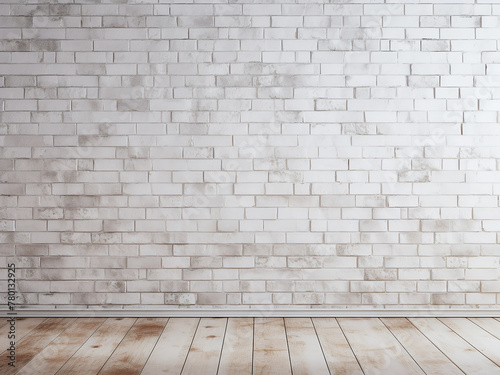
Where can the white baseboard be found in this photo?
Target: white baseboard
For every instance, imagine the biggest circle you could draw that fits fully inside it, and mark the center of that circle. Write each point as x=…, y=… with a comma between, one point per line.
x=350, y=313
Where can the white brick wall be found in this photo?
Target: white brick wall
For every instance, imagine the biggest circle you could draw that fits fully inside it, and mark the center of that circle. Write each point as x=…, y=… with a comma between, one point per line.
x=295, y=153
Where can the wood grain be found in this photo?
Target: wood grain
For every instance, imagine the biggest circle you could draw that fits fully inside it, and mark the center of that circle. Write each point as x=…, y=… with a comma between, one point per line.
x=247, y=346
x=169, y=354
x=338, y=353
x=23, y=327
x=132, y=353
x=237, y=355
x=376, y=348
x=306, y=355
x=90, y=358
x=53, y=356
x=431, y=359
x=455, y=348
x=480, y=339
x=270, y=347
x=3, y=322
x=489, y=324
x=204, y=355
x=37, y=339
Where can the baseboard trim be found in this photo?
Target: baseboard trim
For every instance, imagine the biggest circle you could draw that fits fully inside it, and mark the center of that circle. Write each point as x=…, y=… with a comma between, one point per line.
x=177, y=313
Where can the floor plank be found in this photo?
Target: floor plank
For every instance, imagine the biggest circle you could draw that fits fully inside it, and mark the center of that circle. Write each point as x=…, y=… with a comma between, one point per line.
x=132, y=353
x=454, y=347
x=53, y=357
x=430, y=359
x=244, y=346
x=171, y=350
x=237, y=355
x=489, y=324
x=94, y=353
x=204, y=355
x=338, y=353
x=306, y=355
x=483, y=341
x=270, y=347
x=23, y=327
x=37, y=339
x=377, y=350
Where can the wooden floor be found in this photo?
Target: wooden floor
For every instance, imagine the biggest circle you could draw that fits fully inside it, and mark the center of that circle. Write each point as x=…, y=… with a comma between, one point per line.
x=239, y=346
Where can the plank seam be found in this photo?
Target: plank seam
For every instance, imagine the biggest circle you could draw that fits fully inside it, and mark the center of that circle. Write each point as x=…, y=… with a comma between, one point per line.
x=191, y=345
x=51, y=341
x=350, y=347
x=321, y=346
x=288, y=346
x=498, y=337
x=116, y=347
x=154, y=346
x=468, y=342
x=437, y=347
x=222, y=346
x=76, y=351
x=400, y=343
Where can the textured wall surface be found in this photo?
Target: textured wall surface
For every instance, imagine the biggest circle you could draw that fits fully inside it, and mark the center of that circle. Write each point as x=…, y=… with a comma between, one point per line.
x=280, y=154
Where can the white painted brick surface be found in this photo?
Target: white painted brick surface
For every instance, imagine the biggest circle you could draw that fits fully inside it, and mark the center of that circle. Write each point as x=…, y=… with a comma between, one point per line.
x=286, y=153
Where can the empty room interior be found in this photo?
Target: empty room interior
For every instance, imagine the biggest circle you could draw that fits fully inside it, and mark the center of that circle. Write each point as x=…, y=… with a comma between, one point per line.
x=250, y=187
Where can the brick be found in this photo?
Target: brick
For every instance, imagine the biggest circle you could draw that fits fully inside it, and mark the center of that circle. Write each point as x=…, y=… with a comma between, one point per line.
x=257, y=154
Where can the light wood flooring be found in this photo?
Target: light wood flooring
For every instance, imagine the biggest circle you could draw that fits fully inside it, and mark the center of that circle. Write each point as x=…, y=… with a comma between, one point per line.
x=241, y=346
